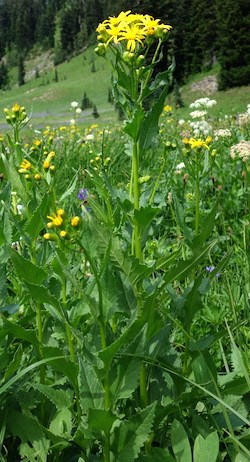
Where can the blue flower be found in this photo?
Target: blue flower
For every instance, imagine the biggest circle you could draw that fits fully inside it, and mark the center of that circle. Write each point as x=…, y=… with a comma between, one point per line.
x=210, y=269
x=83, y=195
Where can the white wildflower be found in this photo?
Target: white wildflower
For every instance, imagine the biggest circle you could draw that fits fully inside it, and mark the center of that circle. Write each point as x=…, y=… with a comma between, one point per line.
x=241, y=149
x=197, y=114
x=74, y=104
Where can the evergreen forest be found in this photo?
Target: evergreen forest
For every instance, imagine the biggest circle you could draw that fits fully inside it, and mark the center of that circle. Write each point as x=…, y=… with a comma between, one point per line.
x=203, y=33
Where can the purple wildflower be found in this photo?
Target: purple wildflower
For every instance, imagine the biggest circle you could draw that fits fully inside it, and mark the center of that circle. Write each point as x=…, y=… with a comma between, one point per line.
x=83, y=195
x=210, y=269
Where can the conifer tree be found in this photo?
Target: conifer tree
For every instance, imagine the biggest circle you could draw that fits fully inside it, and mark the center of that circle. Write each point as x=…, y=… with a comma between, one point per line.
x=233, y=42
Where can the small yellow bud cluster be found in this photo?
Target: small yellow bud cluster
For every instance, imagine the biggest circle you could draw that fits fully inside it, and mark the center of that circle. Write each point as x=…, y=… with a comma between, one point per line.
x=29, y=171
x=97, y=162
x=62, y=225
x=47, y=163
x=16, y=115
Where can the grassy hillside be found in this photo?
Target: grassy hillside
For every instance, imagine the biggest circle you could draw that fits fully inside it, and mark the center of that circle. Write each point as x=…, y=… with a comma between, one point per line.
x=48, y=101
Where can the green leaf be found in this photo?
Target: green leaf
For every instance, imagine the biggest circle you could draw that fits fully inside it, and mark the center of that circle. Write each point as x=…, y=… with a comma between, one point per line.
x=90, y=387
x=20, y=332
x=157, y=455
x=61, y=423
x=180, y=218
x=132, y=127
x=29, y=431
x=129, y=334
x=60, y=398
x=206, y=449
x=109, y=293
x=26, y=270
x=36, y=223
x=145, y=215
x=14, y=177
x=15, y=363
x=205, y=371
x=149, y=127
x=70, y=189
x=184, y=268
x=180, y=442
x=41, y=294
x=101, y=420
x=207, y=227
x=127, y=369
x=132, y=434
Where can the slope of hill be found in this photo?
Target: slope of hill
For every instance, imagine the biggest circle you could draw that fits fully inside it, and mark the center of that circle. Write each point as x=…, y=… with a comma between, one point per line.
x=49, y=91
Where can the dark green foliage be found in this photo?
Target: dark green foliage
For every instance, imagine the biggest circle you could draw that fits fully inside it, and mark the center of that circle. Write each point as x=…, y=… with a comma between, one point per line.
x=21, y=71
x=4, y=78
x=86, y=103
x=233, y=42
x=203, y=32
x=95, y=113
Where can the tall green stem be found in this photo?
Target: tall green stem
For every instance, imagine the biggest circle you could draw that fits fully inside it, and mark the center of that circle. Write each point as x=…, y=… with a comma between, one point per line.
x=68, y=330
x=197, y=196
x=136, y=240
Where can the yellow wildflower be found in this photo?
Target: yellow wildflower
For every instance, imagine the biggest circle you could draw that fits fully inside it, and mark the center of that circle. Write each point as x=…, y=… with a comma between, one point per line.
x=167, y=108
x=56, y=218
x=16, y=108
x=133, y=35
x=75, y=221
x=63, y=233
x=26, y=164
x=46, y=164
x=197, y=144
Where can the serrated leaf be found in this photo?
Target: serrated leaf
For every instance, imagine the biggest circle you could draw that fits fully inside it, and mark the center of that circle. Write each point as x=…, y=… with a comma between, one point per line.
x=206, y=228
x=29, y=430
x=184, y=268
x=149, y=127
x=132, y=434
x=26, y=270
x=132, y=127
x=180, y=218
x=36, y=223
x=14, y=177
x=42, y=295
x=60, y=398
x=15, y=363
x=180, y=442
x=90, y=387
x=20, y=332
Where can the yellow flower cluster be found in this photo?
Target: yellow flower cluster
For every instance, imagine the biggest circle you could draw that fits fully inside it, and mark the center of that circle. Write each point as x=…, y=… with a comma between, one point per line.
x=30, y=171
x=63, y=225
x=197, y=143
x=131, y=29
x=16, y=115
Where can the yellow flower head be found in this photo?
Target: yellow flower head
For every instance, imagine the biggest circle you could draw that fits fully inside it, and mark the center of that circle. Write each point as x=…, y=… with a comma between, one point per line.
x=133, y=29
x=63, y=233
x=16, y=108
x=75, y=221
x=56, y=219
x=198, y=144
x=37, y=143
x=26, y=164
x=167, y=108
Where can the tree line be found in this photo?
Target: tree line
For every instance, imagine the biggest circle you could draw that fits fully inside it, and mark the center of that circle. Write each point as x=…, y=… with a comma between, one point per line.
x=203, y=32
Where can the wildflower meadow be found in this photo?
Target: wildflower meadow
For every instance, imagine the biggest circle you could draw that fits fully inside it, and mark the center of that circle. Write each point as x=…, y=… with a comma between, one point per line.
x=124, y=284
